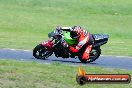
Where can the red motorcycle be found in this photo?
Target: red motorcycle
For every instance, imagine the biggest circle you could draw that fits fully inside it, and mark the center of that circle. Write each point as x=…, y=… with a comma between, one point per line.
x=54, y=45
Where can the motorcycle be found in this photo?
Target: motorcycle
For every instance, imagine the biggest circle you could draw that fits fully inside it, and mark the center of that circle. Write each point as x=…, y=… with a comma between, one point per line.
x=55, y=45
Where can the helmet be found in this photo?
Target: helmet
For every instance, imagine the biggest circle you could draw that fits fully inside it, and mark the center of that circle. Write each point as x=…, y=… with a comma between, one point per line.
x=76, y=27
x=74, y=33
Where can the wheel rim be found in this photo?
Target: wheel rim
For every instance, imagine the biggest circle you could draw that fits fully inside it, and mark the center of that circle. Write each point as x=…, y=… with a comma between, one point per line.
x=43, y=53
x=93, y=55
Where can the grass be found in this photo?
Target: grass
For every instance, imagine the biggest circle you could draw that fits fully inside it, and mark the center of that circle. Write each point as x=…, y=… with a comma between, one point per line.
x=25, y=23
x=17, y=74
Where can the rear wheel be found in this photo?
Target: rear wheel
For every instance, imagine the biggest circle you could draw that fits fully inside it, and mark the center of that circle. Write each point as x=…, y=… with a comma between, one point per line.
x=41, y=52
x=94, y=54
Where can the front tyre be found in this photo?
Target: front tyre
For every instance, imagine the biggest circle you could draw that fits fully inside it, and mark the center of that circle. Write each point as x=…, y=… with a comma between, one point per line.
x=41, y=52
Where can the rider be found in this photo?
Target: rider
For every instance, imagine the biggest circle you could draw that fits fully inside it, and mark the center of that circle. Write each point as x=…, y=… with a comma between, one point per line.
x=83, y=37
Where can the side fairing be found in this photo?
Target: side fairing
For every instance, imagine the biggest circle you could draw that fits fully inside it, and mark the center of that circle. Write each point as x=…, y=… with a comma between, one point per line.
x=69, y=40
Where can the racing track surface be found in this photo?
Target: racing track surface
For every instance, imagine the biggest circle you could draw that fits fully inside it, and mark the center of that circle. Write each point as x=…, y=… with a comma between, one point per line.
x=104, y=61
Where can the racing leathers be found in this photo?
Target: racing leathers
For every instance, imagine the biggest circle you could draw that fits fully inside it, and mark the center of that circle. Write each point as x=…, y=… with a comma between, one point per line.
x=84, y=38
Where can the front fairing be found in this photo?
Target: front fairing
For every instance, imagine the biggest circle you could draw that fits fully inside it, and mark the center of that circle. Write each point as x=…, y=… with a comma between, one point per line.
x=47, y=44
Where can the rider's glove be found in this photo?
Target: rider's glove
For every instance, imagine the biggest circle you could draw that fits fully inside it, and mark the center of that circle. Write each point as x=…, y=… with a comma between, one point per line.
x=65, y=44
x=58, y=28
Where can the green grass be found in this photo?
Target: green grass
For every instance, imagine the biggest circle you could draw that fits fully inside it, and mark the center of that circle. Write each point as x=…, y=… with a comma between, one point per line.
x=18, y=74
x=24, y=23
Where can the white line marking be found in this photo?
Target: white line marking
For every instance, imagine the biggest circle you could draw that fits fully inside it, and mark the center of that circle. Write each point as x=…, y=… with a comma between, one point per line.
x=115, y=56
x=16, y=49
x=120, y=56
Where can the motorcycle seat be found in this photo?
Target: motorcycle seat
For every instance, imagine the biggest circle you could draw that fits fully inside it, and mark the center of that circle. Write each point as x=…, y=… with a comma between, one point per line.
x=100, y=36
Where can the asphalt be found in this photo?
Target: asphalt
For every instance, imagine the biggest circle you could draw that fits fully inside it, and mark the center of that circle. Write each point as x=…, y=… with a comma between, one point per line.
x=121, y=62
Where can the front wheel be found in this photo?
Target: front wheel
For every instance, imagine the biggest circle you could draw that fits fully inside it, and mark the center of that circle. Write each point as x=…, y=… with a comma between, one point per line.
x=41, y=52
x=94, y=54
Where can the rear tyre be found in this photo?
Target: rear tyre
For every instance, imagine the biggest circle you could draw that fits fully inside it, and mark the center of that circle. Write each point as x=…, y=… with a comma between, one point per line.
x=94, y=54
x=41, y=52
